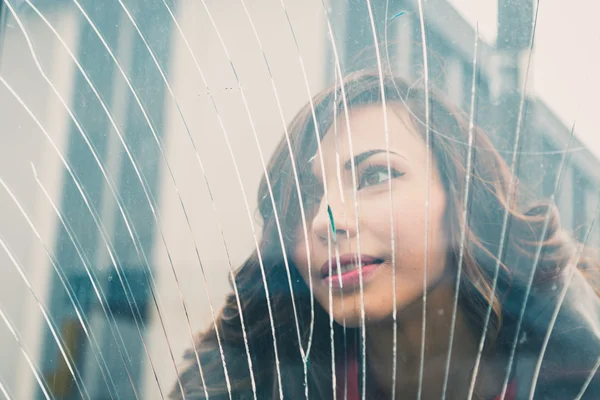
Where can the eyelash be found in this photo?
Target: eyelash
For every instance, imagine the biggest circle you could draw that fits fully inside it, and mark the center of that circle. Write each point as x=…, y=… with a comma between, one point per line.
x=376, y=169
x=313, y=192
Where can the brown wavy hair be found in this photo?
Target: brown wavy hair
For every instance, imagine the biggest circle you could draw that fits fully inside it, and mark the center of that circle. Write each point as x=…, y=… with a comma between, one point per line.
x=528, y=229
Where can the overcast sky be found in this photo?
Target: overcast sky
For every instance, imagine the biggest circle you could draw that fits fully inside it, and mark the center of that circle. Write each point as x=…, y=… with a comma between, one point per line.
x=566, y=64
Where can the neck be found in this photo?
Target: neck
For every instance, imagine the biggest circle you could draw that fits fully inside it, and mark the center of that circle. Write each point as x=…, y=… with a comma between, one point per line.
x=409, y=353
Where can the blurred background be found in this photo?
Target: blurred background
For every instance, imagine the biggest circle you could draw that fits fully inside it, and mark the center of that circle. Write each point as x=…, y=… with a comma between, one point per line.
x=133, y=135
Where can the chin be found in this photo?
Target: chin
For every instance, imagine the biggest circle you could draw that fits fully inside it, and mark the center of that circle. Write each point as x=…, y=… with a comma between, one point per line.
x=349, y=316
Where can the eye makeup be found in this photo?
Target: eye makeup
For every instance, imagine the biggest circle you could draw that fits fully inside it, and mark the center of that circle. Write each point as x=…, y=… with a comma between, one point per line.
x=374, y=174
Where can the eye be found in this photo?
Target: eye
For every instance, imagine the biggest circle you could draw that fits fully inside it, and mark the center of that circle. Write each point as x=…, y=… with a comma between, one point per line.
x=375, y=175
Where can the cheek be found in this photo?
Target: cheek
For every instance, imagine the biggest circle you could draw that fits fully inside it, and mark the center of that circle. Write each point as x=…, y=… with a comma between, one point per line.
x=411, y=224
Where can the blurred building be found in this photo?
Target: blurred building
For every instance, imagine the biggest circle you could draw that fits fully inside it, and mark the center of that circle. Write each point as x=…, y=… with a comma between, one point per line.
x=123, y=255
x=500, y=79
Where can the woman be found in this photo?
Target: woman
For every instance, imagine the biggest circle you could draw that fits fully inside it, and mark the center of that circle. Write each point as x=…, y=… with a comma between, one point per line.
x=376, y=224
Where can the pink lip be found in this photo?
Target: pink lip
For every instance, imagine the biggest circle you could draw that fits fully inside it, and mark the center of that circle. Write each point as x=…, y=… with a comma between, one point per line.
x=350, y=278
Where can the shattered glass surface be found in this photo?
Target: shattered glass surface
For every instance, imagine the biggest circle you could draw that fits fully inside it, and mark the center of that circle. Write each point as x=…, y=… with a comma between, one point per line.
x=134, y=136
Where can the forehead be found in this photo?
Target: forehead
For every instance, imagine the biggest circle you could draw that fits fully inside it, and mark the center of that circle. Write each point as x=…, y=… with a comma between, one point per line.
x=367, y=131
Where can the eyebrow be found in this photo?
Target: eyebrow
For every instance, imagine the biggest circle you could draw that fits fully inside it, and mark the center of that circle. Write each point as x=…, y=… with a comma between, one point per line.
x=357, y=159
x=365, y=155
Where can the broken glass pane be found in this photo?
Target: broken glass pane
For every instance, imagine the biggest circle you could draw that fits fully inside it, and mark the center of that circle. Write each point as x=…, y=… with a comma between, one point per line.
x=299, y=199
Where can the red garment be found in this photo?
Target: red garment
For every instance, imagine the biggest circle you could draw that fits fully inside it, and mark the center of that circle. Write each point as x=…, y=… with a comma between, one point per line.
x=352, y=379
x=511, y=392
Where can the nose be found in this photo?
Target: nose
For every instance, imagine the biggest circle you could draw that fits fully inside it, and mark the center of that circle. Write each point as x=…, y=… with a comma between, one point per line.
x=335, y=221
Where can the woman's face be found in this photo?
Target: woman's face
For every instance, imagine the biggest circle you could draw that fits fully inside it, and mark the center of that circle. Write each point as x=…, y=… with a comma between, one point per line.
x=412, y=193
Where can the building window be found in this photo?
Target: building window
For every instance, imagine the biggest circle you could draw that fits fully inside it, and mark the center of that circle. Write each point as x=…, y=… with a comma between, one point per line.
x=2, y=25
x=454, y=81
x=403, y=35
x=591, y=205
x=565, y=198
x=550, y=165
x=580, y=219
